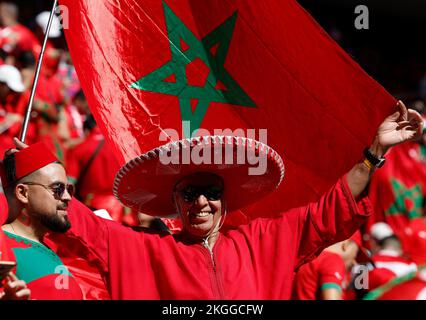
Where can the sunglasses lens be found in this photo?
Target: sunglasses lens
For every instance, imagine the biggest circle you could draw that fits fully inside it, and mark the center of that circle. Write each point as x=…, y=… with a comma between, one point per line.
x=59, y=190
x=189, y=194
x=214, y=193
x=211, y=193
x=71, y=190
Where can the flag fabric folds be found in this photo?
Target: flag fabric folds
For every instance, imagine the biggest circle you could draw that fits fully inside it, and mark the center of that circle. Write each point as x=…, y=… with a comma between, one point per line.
x=150, y=66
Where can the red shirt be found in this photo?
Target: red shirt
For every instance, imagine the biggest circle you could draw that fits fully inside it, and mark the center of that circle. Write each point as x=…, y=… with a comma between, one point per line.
x=255, y=261
x=96, y=184
x=99, y=177
x=42, y=270
x=391, y=261
x=17, y=39
x=326, y=271
x=414, y=240
x=388, y=265
x=5, y=254
x=409, y=287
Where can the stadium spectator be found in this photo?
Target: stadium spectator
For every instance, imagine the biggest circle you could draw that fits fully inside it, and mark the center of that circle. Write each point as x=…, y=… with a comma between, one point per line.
x=12, y=105
x=92, y=168
x=31, y=218
x=14, y=37
x=388, y=257
x=326, y=277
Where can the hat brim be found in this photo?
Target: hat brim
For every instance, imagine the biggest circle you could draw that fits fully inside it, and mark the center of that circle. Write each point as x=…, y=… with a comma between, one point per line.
x=54, y=32
x=16, y=86
x=146, y=183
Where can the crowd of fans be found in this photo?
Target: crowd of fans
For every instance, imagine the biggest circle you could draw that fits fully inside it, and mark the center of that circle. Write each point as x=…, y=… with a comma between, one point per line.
x=60, y=116
x=383, y=259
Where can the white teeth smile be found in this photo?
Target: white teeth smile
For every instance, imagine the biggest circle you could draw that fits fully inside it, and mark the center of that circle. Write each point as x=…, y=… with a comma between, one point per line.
x=202, y=214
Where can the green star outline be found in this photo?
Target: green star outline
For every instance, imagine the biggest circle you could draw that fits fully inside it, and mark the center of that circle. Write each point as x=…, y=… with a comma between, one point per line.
x=221, y=36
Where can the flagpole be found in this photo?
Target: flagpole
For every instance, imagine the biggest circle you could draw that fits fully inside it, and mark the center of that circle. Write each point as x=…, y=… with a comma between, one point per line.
x=37, y=74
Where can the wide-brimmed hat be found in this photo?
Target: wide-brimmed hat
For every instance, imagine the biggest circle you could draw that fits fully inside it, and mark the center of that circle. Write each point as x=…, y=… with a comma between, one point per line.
x=147, y=182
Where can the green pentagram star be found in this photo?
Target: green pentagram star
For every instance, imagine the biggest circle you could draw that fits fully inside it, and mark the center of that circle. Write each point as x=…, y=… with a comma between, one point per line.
x=198, y=49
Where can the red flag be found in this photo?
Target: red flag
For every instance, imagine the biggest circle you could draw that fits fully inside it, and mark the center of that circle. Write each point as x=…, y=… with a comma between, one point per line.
x=148, y=66
x=397, y=190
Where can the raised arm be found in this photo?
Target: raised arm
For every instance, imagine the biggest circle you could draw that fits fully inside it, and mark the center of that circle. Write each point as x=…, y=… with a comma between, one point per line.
x=399, y=127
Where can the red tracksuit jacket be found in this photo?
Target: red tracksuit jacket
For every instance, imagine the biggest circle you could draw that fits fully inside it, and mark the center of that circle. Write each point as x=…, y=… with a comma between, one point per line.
x=256, y=261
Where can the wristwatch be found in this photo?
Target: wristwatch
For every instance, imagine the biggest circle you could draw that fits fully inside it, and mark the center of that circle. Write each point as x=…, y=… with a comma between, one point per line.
x=374, y=160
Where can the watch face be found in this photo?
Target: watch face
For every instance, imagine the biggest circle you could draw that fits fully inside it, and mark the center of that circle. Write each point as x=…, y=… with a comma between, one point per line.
x=381, y=163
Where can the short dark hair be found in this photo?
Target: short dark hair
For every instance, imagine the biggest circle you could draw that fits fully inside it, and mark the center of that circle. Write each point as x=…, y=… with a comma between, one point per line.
x=79, y=95
x=393, y=239
x=89, y=123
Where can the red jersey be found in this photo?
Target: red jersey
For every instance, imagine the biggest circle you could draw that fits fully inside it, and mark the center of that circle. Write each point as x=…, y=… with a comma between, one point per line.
x=388, y=265
x=392, y=261
x=5, y=255
x=15, y=103
x=414, y=240
x=96, y=184
x=42, y=270
x=17, y=39
x=326, y=271
x=99, y=177
x=409, y=287
x=255, y=261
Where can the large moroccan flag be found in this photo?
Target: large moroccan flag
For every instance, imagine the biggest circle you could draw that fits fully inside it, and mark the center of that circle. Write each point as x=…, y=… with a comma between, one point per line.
x=148, y=66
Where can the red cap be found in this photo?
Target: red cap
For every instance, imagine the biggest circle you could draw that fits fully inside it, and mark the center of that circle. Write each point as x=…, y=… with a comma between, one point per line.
x=27, y=161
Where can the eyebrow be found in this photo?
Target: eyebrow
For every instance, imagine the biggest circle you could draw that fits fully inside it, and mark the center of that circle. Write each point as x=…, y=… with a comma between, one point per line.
x=58, y=182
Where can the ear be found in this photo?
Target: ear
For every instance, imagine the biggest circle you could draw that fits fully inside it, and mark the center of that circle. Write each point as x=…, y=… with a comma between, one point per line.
x=21, y=193
x=344, y=246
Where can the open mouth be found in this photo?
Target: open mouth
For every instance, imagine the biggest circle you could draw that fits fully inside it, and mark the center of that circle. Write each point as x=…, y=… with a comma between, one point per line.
x=200, y=216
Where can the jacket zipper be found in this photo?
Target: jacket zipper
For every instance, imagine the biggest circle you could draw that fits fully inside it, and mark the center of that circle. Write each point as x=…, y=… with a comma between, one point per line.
x=206, y=244
x=215, y=274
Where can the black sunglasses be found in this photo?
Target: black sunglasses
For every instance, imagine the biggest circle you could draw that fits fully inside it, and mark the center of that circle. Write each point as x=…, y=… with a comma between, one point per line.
x=212, y=193
x=58, y=189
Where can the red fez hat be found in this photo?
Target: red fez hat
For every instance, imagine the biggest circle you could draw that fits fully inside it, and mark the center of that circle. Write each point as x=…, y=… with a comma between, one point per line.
x=24, y=162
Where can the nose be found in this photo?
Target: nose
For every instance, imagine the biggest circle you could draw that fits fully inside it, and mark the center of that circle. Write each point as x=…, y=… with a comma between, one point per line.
x=201, y=201
x=66, y=196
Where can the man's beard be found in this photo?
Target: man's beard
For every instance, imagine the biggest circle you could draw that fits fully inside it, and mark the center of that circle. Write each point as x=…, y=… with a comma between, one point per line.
x=55, y=223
